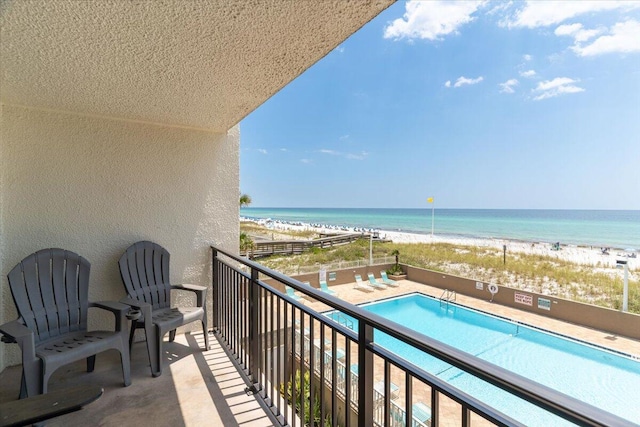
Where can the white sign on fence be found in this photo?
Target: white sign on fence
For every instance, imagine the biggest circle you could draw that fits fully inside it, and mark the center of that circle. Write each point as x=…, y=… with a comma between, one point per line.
x=523, y=298
x=479, y=285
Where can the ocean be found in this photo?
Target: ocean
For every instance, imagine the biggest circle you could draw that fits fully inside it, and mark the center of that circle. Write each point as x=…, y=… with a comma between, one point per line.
x=599, y=228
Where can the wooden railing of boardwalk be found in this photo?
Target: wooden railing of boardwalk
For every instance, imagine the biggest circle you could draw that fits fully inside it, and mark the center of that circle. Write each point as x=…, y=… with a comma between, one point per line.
x=272, y=247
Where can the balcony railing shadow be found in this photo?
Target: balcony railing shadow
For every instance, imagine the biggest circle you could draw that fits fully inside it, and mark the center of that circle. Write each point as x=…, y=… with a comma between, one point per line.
x=197, y=388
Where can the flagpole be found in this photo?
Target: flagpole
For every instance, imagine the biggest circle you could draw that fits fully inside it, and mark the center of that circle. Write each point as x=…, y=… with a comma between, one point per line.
x=433, y=209
x=430, y=200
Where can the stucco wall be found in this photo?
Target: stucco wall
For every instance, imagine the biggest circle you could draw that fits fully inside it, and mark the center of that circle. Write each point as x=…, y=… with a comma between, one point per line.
x=95, y=186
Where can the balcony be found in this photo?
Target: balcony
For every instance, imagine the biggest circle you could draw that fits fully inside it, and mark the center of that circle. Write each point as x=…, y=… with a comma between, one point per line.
x=311, y=370
x=262, y=336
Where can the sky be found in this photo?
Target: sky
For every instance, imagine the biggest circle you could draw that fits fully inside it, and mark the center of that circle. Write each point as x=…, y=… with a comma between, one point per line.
x=478, y=104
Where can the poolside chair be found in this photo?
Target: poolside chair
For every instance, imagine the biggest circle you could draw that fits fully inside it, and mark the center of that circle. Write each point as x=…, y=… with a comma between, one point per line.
x=393, y=388
x=292, y=293
x=386, y=280
x=361, y=285
x=50, y=289
x=421, y=413
x=144, y=269
x=373, y=282
x=325, y=288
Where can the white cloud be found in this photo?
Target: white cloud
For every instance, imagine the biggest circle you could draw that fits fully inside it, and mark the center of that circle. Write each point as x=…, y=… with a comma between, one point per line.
x=556, y=87
x=465, y=81
x=262, y=150
x=431, y=19
x=527, y=57
x=344, y=137
x=623, y=37
x=359, y=156
x=350, y=156
x=507, y=87
x=447, y=83
x=576, y=31
x=528, y=73
x=284, y=149
x=305, y=161
x=545, y=13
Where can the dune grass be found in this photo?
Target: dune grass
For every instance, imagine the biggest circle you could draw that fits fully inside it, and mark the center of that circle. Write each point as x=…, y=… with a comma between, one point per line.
x=535, y=273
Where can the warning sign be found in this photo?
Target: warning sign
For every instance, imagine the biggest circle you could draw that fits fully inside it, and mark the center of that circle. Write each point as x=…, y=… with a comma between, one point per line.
x=523, y=298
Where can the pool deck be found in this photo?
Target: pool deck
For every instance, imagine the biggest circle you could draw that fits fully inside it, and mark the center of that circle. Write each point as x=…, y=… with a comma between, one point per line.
x=450, y=413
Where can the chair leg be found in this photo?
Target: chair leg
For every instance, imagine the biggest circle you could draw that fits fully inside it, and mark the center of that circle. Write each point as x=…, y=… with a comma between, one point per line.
x=32, y=372
x=153, y=338
x=134, y=324
x=205, y=329
x=158, y=355
x=125, y=358
x=91, y=363
x=172, y=335
x=23, y=386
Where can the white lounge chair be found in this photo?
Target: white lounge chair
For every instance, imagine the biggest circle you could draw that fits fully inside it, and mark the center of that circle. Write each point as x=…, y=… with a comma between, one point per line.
x=361, y=285
x=386, y=280
x=291, y=293
x=421, y=413
x=373, y=282
x=325, y=288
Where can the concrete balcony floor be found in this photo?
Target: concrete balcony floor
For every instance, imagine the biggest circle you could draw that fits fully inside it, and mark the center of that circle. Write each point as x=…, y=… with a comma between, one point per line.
x=196, y=388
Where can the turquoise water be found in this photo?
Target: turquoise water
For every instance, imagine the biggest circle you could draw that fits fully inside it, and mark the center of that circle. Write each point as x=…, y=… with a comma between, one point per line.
x=601, y=378
x=617, y=229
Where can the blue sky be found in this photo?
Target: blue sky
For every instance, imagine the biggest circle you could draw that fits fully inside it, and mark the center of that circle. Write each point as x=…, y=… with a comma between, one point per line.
x=531, y=105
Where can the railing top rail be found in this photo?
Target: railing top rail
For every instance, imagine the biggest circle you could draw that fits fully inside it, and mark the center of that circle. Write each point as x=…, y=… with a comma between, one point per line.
x=552, y=400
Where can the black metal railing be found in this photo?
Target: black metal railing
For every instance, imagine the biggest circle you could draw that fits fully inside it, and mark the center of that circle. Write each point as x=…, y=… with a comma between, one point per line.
x=299, y=361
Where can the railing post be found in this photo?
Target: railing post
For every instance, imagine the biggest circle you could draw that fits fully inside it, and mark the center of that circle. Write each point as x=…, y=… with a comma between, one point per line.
x=365, y=374
x=215, y=286
x=254, y=352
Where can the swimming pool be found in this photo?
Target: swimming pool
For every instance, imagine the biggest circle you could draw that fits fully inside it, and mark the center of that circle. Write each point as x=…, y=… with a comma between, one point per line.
x=602, y=378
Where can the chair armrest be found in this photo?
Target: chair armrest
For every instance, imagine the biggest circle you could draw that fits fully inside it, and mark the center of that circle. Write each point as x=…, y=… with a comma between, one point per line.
x=135, y=303
x=189, y=287
x=200, y=291
x=119, y=310
x=144, y=307
x=15, y=332
x=112, y=306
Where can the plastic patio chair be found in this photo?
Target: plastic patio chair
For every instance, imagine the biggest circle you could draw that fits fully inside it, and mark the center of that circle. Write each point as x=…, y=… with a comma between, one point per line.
x=144, y=268
x=325, y=288
x=50, y=290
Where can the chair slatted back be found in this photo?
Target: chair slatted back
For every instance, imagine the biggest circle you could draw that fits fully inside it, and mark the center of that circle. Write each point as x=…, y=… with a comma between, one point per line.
x=51, y=291
x=144, y=268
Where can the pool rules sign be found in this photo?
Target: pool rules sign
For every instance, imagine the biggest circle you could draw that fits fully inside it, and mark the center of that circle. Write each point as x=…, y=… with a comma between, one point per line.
x=524, y=299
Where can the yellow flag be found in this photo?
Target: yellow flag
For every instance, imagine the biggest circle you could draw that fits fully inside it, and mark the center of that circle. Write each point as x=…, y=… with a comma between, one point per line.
x=430, y=200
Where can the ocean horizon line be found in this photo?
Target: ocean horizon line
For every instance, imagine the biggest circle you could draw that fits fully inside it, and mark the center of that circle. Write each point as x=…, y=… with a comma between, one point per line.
x=447, y=208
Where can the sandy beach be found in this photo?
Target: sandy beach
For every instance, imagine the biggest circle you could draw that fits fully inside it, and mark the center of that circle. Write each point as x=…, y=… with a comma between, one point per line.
x=591, y=256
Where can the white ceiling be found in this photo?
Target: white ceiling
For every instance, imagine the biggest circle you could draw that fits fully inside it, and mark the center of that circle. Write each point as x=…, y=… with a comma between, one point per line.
x=200, y=64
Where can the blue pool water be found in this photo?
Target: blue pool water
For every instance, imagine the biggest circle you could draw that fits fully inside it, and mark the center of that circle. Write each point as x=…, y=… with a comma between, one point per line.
x=604, y=379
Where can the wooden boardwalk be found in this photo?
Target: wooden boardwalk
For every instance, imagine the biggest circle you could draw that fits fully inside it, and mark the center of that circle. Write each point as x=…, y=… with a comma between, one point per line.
x=272, y=247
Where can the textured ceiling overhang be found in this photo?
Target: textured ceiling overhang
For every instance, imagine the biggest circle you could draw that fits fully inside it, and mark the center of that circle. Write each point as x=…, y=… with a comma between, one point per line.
x=200, y=64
